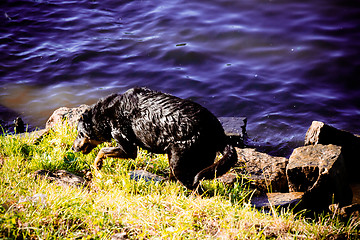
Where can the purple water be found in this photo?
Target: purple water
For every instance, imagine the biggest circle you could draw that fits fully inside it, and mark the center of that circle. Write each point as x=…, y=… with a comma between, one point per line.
x=280, y=63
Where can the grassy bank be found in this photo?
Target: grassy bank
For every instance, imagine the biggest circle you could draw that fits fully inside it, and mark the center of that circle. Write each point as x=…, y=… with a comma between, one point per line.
x=38, y=209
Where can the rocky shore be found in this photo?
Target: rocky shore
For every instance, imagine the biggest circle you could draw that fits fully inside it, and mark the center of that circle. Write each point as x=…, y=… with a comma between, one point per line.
x=317, y=176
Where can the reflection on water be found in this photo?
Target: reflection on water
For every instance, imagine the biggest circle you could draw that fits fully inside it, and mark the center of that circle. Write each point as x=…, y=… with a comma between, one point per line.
x=282, y=64
x=30, y=101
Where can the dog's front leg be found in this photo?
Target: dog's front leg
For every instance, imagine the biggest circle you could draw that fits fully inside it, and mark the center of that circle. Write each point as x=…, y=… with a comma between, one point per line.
x=116, y=152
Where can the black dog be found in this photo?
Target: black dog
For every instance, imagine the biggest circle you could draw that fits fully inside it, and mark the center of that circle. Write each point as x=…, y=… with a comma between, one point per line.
x=160, y=123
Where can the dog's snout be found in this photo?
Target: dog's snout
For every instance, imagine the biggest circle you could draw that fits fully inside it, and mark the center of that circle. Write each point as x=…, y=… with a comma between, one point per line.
x=76, y=147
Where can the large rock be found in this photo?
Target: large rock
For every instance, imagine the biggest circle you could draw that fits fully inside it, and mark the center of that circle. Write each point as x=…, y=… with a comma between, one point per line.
x=267, y=173
x=320, y=133
x=320, y=172
x=64, y=114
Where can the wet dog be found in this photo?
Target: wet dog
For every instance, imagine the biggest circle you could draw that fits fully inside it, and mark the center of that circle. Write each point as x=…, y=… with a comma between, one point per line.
x=188, y=133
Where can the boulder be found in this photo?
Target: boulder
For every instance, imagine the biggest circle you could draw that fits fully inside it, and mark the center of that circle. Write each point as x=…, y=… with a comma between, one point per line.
x=321, y=133
x=71, y=115
x=320, y=172
x=60, y=177
x=267, y=173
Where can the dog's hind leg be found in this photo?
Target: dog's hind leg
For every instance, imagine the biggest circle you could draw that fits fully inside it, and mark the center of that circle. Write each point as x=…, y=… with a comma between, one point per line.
x=184, y=165
x=116, y=152
x=220, y=167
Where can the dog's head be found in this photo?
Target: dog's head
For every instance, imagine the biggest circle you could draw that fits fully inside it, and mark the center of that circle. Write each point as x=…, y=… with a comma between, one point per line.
x=85, y=140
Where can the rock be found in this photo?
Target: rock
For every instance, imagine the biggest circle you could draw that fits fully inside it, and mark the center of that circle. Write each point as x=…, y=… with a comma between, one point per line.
x=61, y=177
x=320, y=133
x=36, y=198
x=6, y=119
x=19, y=125
x=267, y=173
x=320, y=172
x=137, y=175
x=235, y=128
x=71, y=115
x=37, y=135
x=277, y=200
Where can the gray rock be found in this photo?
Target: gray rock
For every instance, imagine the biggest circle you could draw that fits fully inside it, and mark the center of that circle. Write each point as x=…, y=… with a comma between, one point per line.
x=320, y=133
x=61, y=177
x=319, y=171
x=35, y=198
x=37, y=135
x=277, y=200
x=70, y=115
x=137, y=175
x=235, y=128
x=267, y=173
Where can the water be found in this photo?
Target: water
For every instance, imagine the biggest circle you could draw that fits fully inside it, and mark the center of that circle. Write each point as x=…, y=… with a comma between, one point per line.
x=280, y=63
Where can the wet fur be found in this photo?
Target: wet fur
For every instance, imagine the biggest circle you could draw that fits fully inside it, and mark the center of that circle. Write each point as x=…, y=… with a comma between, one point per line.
x=160, y=123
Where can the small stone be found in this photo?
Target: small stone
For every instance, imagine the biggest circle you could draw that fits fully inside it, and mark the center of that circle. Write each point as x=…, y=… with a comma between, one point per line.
x=19, y=125
x=61, y=177
x=277, y=200
x=137, y=175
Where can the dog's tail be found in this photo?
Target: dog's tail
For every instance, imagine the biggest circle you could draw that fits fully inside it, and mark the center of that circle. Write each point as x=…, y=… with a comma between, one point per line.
x=218, y=168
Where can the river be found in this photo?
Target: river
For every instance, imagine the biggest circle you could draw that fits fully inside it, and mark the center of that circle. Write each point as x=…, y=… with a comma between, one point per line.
x=281, y=64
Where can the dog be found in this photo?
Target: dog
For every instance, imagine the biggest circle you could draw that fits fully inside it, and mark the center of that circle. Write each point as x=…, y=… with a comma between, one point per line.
x=161, y=123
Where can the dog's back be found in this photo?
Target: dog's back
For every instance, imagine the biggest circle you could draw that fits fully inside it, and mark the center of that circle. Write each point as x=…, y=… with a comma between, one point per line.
x=160, y=119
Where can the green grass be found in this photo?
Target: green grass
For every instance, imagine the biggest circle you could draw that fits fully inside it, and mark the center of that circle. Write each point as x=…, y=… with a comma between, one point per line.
x=38, y=209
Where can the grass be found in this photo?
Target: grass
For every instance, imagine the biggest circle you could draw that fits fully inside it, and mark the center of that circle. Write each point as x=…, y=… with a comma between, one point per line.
x=38, y=209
